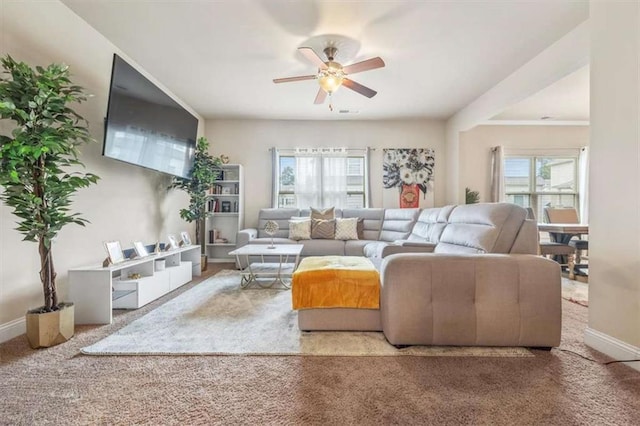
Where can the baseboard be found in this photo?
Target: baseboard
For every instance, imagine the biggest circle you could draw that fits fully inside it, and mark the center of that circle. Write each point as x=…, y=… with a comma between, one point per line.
x=12, y=329
x=616, y=349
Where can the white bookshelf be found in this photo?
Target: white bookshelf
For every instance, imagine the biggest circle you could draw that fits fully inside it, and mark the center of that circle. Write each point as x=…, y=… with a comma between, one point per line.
x=225, y=221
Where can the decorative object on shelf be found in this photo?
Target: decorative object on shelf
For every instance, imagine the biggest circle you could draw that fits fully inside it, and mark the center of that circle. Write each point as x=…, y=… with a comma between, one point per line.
x=44, y=140
x=205, y=171
x=471, y=196
x=226, y=207
x=224, y=159
x=184, y=235
x=270, y=228
x=159, y=265
x=173, y=243
x=114, y=252
x=135, y=276
x=140, y=249
x=411, y=171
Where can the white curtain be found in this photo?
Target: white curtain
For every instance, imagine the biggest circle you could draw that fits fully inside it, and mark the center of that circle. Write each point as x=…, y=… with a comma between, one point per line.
x=308, y=184
x=583, y=184
x=497, y=174
x=334, y=178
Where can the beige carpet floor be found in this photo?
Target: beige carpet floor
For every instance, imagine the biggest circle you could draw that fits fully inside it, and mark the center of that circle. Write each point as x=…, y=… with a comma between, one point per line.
x=61, y=386
x=216, y=317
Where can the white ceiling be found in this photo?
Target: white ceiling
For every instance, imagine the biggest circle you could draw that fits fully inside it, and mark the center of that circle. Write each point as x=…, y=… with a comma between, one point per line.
x=220, y=56
x=565, y=100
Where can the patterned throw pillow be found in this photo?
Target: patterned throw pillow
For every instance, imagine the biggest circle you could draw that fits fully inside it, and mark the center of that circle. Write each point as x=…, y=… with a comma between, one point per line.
x=347, y=229
x=300, y=229
x=323, y=229
x=323, y=214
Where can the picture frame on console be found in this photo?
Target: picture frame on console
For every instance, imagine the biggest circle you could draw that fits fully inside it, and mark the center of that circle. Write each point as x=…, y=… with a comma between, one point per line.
x=173, y=243
x=186, y=240
x=140, y=249
x=114, y=251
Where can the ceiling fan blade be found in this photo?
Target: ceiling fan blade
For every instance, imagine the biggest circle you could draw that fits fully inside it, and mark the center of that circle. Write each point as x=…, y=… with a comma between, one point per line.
x=369, y=64
x=357, y=87
x=320, y=97
x=312, y=57
x=299, y=78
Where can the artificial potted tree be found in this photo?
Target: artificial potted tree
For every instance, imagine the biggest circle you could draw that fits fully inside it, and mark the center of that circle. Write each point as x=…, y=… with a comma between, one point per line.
x=204, y=172
x=33, y=159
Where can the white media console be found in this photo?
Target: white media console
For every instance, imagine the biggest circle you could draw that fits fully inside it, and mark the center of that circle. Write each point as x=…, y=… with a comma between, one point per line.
x=96, y=290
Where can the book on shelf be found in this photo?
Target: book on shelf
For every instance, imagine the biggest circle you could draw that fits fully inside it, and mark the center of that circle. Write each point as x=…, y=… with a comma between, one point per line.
x=213, y=205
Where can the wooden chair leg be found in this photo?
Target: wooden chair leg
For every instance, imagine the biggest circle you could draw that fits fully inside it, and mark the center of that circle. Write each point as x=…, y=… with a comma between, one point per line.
x=571, y=264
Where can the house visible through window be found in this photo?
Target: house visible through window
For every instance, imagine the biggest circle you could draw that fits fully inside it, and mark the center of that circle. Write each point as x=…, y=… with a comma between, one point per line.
x=541, y=181
x=320, y=177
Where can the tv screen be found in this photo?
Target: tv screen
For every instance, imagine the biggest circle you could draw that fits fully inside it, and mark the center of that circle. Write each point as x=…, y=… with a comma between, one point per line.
x=145, y=127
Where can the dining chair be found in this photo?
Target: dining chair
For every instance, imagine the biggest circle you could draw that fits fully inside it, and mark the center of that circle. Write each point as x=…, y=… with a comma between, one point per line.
x=568, y=215
x=564, y=254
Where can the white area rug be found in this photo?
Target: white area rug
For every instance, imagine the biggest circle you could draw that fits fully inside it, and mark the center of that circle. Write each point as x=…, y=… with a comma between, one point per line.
x=216, y=317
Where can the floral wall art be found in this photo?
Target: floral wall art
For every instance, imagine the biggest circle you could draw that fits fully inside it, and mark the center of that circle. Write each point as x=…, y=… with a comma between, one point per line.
x=408, y=177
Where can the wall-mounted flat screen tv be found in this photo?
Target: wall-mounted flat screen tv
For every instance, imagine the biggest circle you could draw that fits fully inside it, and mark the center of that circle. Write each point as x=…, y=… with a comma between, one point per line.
x=145, y=127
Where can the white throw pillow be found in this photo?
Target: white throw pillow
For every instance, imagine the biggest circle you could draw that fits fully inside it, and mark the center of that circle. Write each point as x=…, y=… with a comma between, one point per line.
x=300, y=229
x=347, y=229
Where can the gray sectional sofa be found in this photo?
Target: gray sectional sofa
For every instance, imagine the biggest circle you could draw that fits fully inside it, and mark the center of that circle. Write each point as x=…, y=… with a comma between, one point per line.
x=453, y=275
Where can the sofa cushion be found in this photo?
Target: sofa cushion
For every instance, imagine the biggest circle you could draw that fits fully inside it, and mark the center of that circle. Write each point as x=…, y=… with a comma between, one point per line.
x=280, y=216
x=398, y=223
x=323, y=248
x=430, y=224
x=374, y=249
x=482, y=228
x=347, y=229
x=371, y=223
x=355, y=247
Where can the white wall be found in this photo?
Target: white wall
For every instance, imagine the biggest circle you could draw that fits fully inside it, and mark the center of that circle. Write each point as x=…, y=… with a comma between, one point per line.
x=129, y=203
x=563, y=57
x=248, y=141
x=614, y=210
x=475, y=146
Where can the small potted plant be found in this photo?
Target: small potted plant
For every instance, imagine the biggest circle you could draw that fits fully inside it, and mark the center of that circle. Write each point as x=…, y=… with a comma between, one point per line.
x=471, y=196
x=33, y=159
x=204, y=172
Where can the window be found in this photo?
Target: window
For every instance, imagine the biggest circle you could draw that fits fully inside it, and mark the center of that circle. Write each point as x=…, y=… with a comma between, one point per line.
x=541, y=181
x=321, y=177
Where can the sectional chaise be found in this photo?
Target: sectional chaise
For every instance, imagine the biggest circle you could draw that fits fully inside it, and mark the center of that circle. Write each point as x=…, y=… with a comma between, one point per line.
x=455, y=275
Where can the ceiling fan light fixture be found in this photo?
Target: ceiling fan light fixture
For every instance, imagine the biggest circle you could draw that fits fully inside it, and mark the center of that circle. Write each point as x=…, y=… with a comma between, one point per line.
x=330, y=78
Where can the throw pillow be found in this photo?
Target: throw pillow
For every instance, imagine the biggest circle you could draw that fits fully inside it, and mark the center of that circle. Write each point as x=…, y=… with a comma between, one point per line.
x=323, y=214
x=323, y=229
x=300, y=230
x=360, y=228
x=347, y=229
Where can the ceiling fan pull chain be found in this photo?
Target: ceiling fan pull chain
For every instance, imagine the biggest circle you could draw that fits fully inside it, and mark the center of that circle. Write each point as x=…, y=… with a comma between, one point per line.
x=330, y=102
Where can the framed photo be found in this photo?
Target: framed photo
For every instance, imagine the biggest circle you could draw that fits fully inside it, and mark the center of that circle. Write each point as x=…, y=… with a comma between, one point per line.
x=173, y=244
x=114, y=250
x=226, y=207
x=184, y=235
x=226, y=190
x=140, y=249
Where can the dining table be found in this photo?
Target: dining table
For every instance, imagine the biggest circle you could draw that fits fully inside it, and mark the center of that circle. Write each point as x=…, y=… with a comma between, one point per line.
x=563, y=233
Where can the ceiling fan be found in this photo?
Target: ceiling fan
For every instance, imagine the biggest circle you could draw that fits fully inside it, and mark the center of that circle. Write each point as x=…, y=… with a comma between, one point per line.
x=331, y=75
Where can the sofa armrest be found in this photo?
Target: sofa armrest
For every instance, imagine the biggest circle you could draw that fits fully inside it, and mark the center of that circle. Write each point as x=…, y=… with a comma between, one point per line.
x=245, y=235
x=404, y=246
